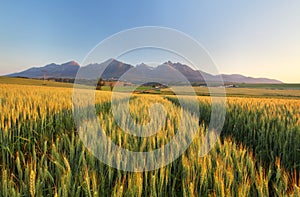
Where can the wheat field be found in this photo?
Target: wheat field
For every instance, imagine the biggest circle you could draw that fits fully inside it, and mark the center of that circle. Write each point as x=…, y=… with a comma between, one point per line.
x=258, y=153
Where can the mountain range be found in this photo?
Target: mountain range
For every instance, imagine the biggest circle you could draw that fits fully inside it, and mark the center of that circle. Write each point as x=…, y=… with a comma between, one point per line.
x=165, y=73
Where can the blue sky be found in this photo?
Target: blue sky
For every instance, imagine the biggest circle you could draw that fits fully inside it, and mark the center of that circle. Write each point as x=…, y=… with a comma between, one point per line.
x=254, y=38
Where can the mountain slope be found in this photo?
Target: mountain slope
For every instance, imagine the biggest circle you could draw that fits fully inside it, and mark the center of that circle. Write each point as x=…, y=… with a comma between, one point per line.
x=66, y=70
x=235, y=78
x=167, y=72
x=114, y=70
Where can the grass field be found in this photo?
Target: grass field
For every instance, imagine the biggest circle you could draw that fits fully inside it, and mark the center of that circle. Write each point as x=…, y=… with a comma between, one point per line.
x=271, y=86
x=33, y=82
x=41, y=153
x=243, y=90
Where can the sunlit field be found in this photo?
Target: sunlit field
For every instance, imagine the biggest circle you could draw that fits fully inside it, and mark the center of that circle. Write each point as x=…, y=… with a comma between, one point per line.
x=41, y=154
x=252, y=90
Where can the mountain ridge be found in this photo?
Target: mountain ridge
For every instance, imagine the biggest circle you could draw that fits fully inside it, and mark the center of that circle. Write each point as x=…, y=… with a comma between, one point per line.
x=166, y=72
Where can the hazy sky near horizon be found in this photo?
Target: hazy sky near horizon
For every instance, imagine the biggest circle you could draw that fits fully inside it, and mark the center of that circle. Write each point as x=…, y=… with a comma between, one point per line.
x=253, y=38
